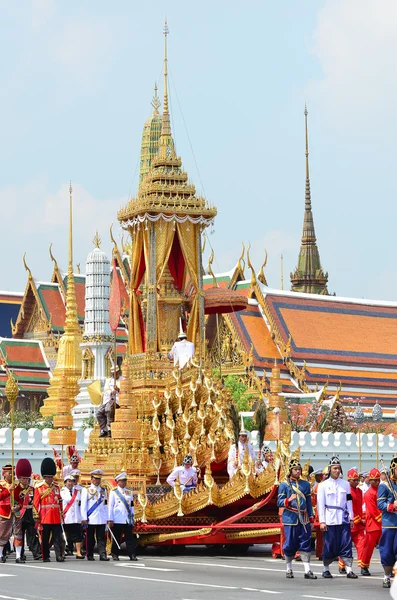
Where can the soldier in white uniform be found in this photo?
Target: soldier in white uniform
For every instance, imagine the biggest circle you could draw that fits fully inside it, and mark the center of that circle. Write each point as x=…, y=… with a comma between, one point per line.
x=237, y=451
x=186, y=474
x=121, y=517
x=94, y=515
x=71, y=501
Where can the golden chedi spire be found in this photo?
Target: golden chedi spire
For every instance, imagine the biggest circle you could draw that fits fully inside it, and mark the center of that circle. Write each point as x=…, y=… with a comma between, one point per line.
x=164, y=186
x=309, y=276
x=64, y=383
x=150, y=137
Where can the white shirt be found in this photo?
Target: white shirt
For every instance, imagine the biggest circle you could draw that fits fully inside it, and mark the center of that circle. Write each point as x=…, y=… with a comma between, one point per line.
x=231, y=459
x=185, y=476
x=262, y=467
x=182, y=352
x=333, y=492
x=73, y=515
x=89, y=497
x=117, y=510
x=109, y=388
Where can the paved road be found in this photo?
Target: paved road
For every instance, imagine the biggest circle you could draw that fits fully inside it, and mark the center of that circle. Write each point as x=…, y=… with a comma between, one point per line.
x=195, y=575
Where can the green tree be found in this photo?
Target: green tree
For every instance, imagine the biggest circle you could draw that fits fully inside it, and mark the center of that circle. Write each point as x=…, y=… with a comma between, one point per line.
x=26, y=419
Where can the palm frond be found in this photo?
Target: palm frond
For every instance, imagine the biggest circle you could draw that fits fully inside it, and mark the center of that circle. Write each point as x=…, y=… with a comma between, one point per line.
x=259, y=420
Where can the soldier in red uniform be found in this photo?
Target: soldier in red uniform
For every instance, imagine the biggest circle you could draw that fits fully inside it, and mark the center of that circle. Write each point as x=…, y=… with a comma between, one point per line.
x=10, y=515
x=373, y=521
x=358, y=531
x=318, y=477
x=46, y=501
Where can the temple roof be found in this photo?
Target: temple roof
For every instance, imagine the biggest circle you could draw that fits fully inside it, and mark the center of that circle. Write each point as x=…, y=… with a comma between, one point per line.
x=10, y=303
x=28, y=363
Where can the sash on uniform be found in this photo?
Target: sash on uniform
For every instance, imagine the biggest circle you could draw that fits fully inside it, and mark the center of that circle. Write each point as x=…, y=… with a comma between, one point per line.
x=70, y=503
x=95, y=506
x=126, y=505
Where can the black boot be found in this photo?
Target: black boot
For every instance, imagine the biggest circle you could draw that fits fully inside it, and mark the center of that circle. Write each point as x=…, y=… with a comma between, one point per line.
x=310, y=575
x=365, y=572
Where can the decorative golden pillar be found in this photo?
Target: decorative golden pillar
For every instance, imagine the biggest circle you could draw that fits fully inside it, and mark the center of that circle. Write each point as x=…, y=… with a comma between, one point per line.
x=277, y=426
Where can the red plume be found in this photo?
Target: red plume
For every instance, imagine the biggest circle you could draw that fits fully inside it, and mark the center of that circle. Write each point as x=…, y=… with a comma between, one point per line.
x=57, y=458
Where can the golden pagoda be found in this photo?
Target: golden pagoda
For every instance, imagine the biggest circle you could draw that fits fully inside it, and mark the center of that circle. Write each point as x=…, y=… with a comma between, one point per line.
x=150, y=137
x=64, y=386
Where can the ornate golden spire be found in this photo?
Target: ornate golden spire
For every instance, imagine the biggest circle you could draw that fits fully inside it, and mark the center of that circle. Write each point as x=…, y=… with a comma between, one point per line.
x=72, y=322
x=97, y=240
x=309, y=276
x=166, y=146
x=156, y=101
x=64, y=383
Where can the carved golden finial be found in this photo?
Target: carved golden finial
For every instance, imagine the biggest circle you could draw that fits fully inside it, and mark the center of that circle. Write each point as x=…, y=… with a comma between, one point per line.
x=156, y=101
x=111, y=236
x=281, y=272
x=78, y=269
x=166, y=31
x=53, y=257
x=253, y=276
x=26, y=266
x=307, y=144
x=262, y=276
x=241, y=261
x=97, y=240
x=72, y=322
x=210, y=271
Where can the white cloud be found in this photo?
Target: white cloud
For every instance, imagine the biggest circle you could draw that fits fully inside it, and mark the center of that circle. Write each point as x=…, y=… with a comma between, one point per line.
x=42, y=11
x=355, y=42
x=37, y=216
x=82, y=47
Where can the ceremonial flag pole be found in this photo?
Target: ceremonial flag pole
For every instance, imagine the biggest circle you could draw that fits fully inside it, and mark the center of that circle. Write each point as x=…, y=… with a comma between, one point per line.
x=114, y=312
x=12, y=394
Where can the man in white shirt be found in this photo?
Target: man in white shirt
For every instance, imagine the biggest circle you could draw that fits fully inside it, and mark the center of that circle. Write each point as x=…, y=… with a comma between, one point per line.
x=335, y=514
x=94, y=515
x=186, y=474
x=121, y=517
x=237, y=451
x=71, y=500
x=182, y=351
x=110, y=401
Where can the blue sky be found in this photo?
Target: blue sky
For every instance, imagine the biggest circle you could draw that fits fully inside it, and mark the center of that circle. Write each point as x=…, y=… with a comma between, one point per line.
x=77, y=81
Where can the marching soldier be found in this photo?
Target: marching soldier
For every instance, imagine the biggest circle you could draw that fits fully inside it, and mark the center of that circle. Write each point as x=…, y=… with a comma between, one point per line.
x=358, y=529
x=237, y=451
x=28, y=514
x=47, y=503
x=335, y=512
x=71, y=500
x=318, y=477
x=373, y=521
x=121, y=517
x=387, y=503
x=11, y=515
x=94, y=515
x=186, y=474
x=294, y=496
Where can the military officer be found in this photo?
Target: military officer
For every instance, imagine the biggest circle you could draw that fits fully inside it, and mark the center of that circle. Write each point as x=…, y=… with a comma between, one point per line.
x=121, y=517
x=294, y=496
x=387, y=503
x=71, y=500
x=94, y=515
x=47, y=503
